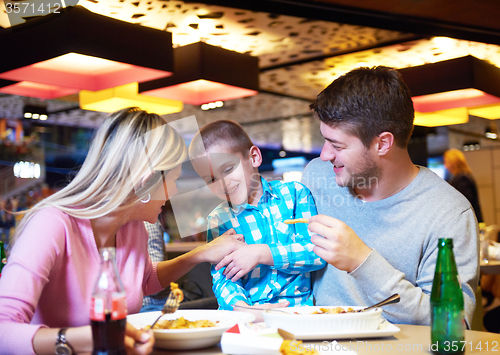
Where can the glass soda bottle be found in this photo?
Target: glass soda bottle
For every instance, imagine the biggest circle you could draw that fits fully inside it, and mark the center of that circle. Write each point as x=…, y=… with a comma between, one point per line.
x=483, y=243
x=3, y=257
x=108, y=312
x=447, y=304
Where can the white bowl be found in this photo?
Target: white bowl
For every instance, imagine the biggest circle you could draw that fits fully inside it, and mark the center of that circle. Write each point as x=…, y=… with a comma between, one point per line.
x=196, y=338
x=308, y=323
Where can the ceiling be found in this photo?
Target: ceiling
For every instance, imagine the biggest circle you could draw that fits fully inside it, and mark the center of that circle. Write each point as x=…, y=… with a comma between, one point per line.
x=301, y=45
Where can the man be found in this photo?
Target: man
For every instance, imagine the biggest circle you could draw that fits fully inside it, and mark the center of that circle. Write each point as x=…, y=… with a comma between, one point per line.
x=380, y=216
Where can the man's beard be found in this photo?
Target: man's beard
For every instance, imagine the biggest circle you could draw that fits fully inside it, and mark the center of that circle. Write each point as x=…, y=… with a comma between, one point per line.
x=367, y=177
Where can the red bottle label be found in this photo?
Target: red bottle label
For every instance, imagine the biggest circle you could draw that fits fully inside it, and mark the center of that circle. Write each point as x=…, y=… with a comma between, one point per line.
x=97, y=308
x=119, y=308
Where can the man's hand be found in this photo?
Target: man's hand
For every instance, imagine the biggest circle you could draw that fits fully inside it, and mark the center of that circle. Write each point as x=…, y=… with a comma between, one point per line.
x=243, y=260
x=138, y=342
x=257, y=309
x=218, y=248
x=337, y=243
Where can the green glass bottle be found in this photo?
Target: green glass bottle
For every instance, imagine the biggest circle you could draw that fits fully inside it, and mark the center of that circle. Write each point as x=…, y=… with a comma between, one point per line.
x=3, y=257
x=447, y=304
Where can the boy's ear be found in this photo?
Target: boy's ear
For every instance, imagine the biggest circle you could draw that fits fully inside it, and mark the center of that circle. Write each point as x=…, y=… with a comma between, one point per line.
x=255, y=156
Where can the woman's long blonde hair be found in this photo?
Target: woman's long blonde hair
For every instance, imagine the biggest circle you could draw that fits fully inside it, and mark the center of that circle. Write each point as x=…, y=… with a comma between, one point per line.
x=458, y=162
x=130, y=146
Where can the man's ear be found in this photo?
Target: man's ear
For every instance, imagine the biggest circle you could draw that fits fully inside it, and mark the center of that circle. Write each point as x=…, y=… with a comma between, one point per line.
x=255, y=156
x=384, y=141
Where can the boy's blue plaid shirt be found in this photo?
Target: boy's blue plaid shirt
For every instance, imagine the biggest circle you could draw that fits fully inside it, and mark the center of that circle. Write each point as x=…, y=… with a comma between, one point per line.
x=291, y=247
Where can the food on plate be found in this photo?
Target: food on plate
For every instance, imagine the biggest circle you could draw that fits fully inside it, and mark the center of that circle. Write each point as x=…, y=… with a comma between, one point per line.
x=174, y=288
x=298, y=220
x=295, y=347
x=182, y=323
x=335, y=310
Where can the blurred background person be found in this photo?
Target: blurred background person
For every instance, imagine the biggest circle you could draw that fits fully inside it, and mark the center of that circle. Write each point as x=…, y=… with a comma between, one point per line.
x=462, y=179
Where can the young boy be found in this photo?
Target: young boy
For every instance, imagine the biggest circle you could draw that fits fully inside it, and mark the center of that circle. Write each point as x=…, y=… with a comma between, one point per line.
x=276, y=264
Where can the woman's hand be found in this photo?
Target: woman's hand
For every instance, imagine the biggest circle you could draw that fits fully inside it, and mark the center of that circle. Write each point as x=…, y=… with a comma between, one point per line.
x=218, y=248
x=137, y=341
x=170, y=270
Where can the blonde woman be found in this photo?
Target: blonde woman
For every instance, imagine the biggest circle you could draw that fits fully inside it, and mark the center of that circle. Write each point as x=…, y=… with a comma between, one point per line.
x=129, y=173
x=462, y=179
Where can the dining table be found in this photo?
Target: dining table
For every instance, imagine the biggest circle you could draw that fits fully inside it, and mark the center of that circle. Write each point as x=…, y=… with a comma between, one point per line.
x=411, y=339
x=489, y=267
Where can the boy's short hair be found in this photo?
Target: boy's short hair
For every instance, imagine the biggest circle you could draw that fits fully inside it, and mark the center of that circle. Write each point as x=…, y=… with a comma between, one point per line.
x=226, y=132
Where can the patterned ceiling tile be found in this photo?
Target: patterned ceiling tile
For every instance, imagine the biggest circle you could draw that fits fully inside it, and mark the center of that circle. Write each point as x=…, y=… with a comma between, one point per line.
x=308, y=79
x=266, y=118
x=275, y=39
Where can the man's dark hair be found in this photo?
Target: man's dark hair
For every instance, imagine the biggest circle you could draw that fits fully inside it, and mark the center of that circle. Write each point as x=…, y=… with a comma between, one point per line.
x=366, y=102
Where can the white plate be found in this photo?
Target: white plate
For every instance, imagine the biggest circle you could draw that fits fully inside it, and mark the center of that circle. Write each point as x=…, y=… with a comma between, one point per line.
x=385, y=329
x=303, y=319
x=185, y=339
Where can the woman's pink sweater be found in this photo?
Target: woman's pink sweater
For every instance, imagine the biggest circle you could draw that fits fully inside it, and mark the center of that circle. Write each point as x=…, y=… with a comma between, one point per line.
x=51, y=271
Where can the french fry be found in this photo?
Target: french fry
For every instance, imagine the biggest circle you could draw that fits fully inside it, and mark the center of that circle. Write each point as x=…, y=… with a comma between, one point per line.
x=176, y=291
x=298, y=220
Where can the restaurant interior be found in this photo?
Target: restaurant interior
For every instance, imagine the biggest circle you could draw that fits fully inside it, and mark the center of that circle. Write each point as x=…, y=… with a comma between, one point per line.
x=268, y=60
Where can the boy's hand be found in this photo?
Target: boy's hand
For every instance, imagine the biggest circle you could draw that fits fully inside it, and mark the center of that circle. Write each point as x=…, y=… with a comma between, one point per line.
x=243, y=260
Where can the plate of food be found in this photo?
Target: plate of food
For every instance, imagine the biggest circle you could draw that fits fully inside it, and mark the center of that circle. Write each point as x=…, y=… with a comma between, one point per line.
x=328, y=322
x=189, y=329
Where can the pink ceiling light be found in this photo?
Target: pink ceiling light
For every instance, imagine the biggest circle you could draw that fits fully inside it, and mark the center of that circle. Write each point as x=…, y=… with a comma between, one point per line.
x=460, y=82
x=86, y=51
x=205, y=73
x=453, y=99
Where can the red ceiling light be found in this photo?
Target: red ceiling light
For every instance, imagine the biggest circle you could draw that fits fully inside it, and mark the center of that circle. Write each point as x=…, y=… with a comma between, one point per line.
x=453, y=99
x=460, y=82
x=205, y=73
x=41, y=91
x=85, y=51
x=465, y=82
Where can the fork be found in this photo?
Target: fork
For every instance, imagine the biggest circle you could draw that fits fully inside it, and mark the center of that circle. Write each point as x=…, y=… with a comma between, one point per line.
x=389, y=300
x=171, y=305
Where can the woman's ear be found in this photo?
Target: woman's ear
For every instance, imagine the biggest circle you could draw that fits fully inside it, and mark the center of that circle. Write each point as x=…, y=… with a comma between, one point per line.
x=255, y=156
x=144, y=184
x=145, y=180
